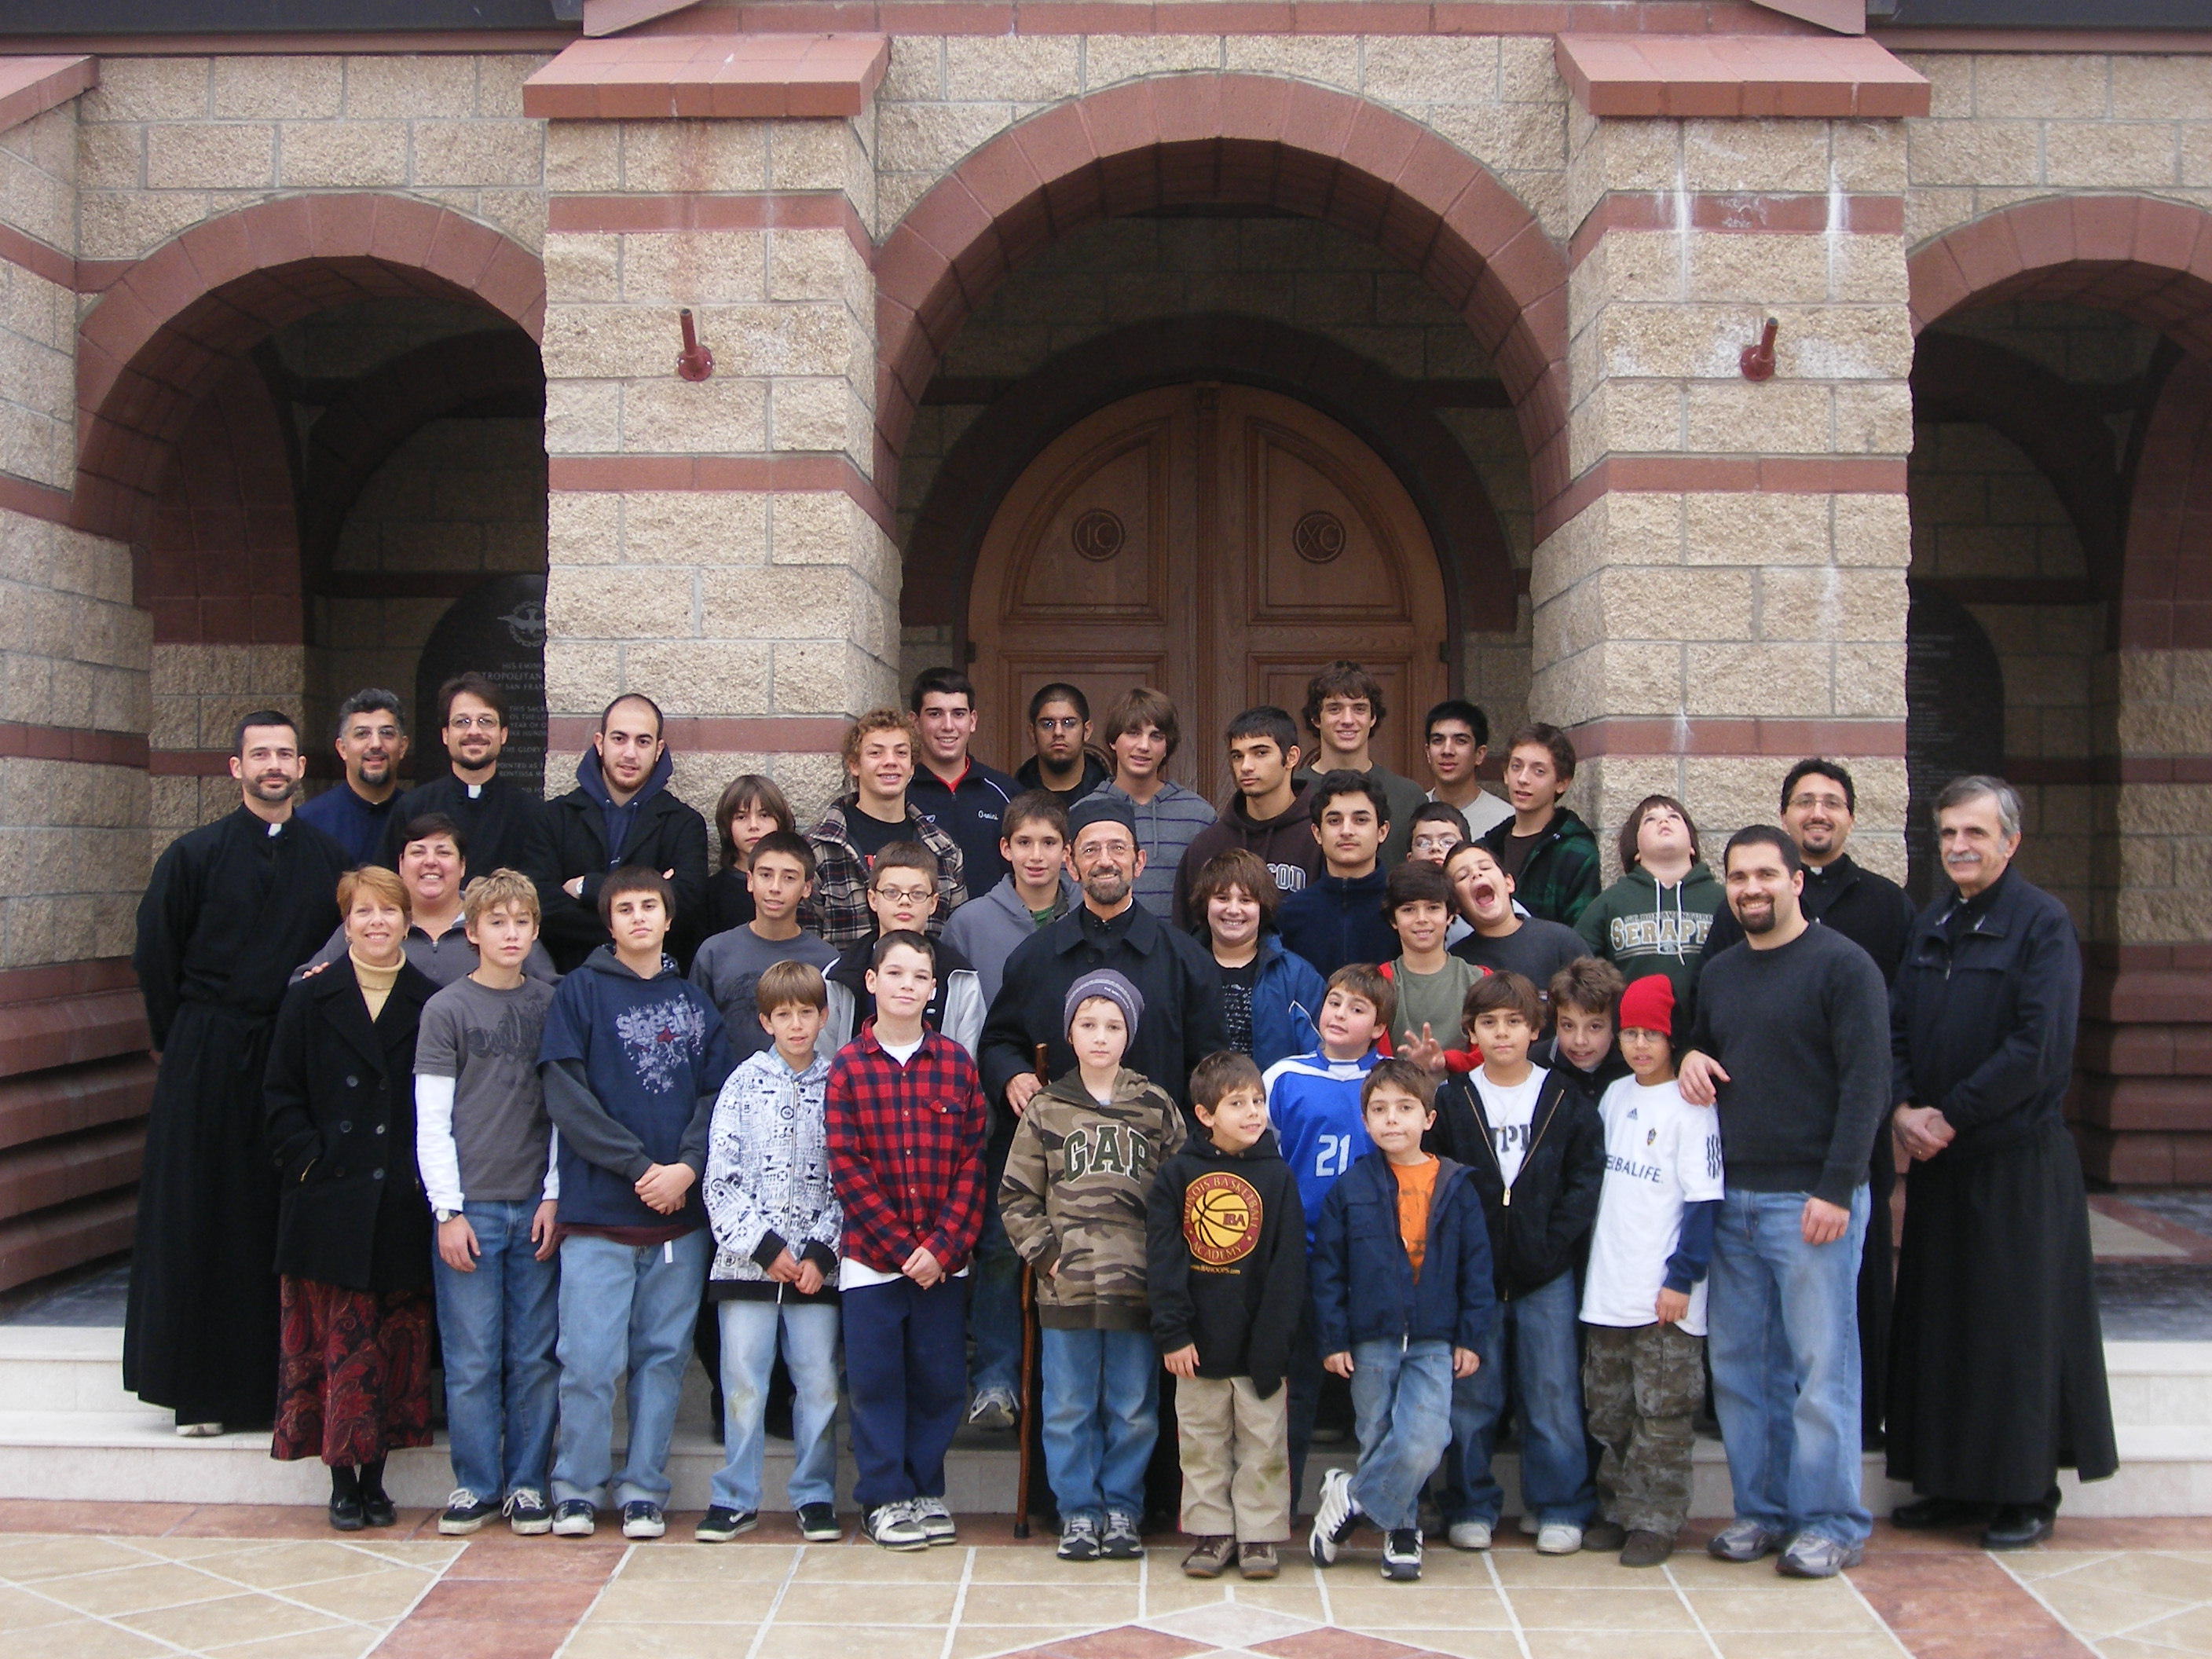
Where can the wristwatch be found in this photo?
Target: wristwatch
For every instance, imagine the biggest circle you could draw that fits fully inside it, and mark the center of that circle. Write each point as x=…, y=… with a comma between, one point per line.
x=444, y=1215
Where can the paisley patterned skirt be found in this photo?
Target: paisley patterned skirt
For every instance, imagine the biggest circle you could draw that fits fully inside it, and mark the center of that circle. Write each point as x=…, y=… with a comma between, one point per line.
x=353, y=1376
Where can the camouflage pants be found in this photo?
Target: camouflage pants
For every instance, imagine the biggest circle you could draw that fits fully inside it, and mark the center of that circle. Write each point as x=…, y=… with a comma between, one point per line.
x=1640, y=1388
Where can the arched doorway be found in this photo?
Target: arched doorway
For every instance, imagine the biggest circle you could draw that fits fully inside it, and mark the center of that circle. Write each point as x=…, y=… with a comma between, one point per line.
x=1220, y=542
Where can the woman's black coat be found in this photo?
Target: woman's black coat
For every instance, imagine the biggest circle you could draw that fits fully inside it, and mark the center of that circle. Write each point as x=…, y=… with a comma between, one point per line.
x=340, y=1097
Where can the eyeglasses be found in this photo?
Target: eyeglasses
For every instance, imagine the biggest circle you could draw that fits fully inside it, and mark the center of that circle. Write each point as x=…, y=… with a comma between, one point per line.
x=904, y=895
x=478, y=723
x=1061, y=723
x=1443, y=843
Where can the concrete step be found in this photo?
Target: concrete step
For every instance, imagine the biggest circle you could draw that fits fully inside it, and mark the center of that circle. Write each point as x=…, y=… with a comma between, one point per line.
x=69, y=1430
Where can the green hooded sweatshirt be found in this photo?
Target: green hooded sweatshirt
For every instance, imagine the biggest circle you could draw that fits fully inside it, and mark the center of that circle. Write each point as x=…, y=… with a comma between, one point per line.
x=1642, y=928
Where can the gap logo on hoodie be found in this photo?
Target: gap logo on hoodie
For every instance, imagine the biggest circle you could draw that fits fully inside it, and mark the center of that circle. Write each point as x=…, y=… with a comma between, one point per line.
x=661, y=1038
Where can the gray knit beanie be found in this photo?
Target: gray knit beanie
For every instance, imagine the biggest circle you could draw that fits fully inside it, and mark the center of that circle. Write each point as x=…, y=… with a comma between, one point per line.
x=1115, y=988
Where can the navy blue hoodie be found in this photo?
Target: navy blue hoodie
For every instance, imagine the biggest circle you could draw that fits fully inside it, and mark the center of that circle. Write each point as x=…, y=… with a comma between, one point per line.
x=1357, y=1242
x=1339, y=919
x=631, y=1068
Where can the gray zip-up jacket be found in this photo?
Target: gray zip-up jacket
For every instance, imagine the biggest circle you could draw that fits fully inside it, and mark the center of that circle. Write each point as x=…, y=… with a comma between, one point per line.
x=1166, y=824
x=985, y=930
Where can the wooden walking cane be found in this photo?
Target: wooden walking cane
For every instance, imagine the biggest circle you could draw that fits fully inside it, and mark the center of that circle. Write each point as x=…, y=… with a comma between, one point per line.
x=1029, y=1371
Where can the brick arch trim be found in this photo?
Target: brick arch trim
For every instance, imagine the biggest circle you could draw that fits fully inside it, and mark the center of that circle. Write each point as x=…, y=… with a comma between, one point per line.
x=1237, y=140
x=2145, y=258
x=165, y=333
x=386, y=407
x=1385, y=412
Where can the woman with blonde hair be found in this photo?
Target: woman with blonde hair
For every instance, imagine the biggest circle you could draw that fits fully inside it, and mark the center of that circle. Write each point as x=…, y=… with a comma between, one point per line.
x=353, y=1226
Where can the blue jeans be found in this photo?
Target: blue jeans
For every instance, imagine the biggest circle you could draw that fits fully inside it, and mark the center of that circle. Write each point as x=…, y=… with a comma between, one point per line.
x=623, y=1306
x=1532, y=1350
x=497, y=1326
x=1102, y=1416
x=1782, y=1318
x=810, y=1352
x=1401, y=1397
x=994, y=1313
x=906, y=1368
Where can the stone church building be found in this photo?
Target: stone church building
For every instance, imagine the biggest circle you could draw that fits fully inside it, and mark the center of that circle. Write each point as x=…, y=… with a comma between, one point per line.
x=1194, y=343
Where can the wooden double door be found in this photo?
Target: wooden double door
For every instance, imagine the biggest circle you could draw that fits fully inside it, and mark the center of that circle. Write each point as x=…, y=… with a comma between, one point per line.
x=1220, y=542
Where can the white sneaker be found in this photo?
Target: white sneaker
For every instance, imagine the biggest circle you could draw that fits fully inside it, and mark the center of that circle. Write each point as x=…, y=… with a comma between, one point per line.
x=894, y=1527
x=1558, y=1538
x=1528, y=1523
x=934, y=1520
x=1469, y=1535
x=1334, y=1516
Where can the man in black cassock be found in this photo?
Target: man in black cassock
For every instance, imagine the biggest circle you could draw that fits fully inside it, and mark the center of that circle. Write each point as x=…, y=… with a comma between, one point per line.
x=1996, y=1375
x=1818, y=807
x=232, y=909
x=495, y=814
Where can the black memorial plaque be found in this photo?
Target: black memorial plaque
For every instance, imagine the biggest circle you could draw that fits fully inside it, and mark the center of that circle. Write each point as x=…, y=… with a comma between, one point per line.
x=497, y=630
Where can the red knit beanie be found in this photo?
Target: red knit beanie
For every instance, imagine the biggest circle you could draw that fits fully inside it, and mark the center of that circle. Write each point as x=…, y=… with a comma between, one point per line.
x=1648, y=1005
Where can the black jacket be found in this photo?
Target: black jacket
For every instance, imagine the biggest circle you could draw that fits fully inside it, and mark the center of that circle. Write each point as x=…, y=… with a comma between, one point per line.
x=1030, y=775
x=1983, y=1015
x=1182, y=988
x=1225, y=1259
x=1871, y=911
x=1364, y=1288
x=571, y=841
x=339, y=1095
x=497, y=821
x=1537, y=1236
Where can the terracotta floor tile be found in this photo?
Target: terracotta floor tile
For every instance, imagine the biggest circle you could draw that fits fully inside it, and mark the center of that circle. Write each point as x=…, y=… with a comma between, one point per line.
x=867, y=1604
x=1001, y=1565
x=2144, y=1532
x=1128, y=1642
x=2097, y=1610
x=334, y=1642
x=21, y=1610
x=1976, y=1642
x=1463, y=1643
x=598, y=1640
x=27, y=1559
x=2191, y=1630
x=1521, y=1568
x=134, y=1589
x=707, y=1601
x=1609, y=1644
x=280, y=1566
x=867, y=1563
x=713, y=1563
x=2125, y=1647
x=504, y=1602
x=1829, y=1607
x=2049, y=1564
x=1657, y=1608
x=370, y=1596
x=45, y=1515
x=449, y=1640
x=261, y=1520
x=87, y=1638
x=1821, y=1644
x=974, y=1641
x=1375, y=1604
x=1050, y=1604
x=873, y=1641
x=1334, y=1644
x=233, y=1619
x=2179, y=1576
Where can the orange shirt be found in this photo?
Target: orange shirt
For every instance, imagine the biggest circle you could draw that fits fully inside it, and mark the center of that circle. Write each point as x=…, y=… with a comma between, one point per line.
x=1417, y=1184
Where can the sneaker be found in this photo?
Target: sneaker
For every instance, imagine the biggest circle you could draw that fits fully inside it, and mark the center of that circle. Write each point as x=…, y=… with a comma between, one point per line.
x=526, y=1514
x=1257, y=1560
x=1558, y=1538
x=934, y=1520
x=1469, y=1535
x=1209, y=1558
x=1335, y=1517
x=1645, y=1549
x=817, y=1523
x=1079, y=1539
x=642, y=1518
x=992, y=1410
x=1402, y=1555
x=1604, y=1536
x=721, y=1524
x=1122, y=1542
x=1811, y=1556
x=574, y=1517
x=1529, y=1523
x=1742, y=1540
x=894, y=1527
x=464, y=1513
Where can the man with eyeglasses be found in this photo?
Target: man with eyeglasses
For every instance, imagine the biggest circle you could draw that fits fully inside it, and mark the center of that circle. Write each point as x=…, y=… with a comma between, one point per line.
x=1063, y=766
x=1818, y=803
x=493, y=813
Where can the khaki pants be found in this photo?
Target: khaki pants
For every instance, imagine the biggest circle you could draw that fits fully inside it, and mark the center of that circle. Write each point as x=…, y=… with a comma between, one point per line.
x=1641, y=1386
x=1235, y=1459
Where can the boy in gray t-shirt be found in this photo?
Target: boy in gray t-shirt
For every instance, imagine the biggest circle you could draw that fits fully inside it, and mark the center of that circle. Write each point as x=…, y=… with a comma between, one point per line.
x=729, y=966
x=483, y=1144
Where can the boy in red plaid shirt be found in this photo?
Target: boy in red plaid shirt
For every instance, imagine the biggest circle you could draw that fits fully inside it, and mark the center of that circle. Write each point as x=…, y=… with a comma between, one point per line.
x=904, y=1121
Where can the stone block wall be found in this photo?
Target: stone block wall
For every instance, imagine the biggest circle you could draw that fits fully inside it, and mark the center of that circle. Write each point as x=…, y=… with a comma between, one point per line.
x=38, y=313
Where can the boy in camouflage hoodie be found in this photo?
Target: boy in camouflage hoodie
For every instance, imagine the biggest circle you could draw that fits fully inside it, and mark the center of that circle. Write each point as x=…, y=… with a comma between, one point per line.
x=1072, y=1200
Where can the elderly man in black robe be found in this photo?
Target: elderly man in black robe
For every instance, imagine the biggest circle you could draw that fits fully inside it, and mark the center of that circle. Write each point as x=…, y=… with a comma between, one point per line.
x=231, y=909
x=1996, y=1375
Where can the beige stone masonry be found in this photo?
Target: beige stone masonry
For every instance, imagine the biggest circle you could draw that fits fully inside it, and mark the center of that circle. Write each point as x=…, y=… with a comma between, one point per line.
x=167, y=141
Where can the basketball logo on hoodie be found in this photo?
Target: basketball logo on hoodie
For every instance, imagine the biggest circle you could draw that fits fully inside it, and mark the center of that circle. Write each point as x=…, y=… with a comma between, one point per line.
x=1221, y=1215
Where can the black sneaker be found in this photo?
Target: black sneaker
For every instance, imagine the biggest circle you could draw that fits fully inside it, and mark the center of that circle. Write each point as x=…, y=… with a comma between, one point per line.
x=642, y=1518
x=1402, y=1555
x=526, y=1514
x=574, y=1517
x=1079, y=1539
x=817, y=1523
x=1122, y=1542
x=719, y=1525
x=464, y=1513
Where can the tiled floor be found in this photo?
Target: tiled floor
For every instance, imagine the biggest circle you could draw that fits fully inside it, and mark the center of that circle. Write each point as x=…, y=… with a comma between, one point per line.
x=152, y=1580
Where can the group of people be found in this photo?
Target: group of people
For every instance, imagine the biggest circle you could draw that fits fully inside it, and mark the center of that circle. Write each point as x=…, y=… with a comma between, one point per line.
x=1348, y=1098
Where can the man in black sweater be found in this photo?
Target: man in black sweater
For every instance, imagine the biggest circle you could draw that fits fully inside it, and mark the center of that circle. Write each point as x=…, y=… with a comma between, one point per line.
x=1819, y=804
x=1792, y=1044
x=495, y=814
